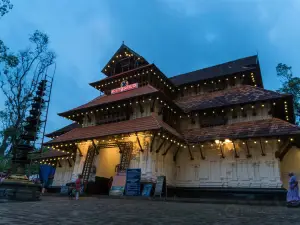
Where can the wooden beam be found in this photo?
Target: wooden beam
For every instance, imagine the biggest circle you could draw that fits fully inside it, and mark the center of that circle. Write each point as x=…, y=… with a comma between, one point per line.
x=161, y=110
x=175, y=155
x=193, y=120
x=235, y=151
x=166, y=152
x=138, y=140
x=141, y=107
x=221, y=150
x=191, y=155
x=248, y=151
x=159, y=147
x=119, y=146
x=283, y=149
x=151, y=144
x=201, y=152
x=153, y=104
x=95, y=147
x=80, y=153
x=261, y=148
x=70, y=164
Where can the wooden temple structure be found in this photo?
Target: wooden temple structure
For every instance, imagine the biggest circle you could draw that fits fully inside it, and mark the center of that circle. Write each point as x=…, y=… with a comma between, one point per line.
x=215, y=127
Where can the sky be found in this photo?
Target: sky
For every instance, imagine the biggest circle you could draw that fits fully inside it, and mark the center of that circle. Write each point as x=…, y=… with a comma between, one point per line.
x=179, y=36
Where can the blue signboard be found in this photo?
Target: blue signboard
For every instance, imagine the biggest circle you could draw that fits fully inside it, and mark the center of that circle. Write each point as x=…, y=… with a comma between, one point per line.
x=147, y=190
x=133, y=182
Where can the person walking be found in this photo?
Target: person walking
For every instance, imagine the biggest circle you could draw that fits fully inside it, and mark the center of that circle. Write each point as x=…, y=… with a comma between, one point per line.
x=292, y=196
x=78, y=185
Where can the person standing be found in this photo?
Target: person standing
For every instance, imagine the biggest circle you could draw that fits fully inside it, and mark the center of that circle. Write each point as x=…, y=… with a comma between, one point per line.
x=292, y=196
x=78, y=184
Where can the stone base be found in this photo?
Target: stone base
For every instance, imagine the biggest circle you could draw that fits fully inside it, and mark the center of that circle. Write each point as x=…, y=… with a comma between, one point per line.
x=20, y=189
x=265, y=194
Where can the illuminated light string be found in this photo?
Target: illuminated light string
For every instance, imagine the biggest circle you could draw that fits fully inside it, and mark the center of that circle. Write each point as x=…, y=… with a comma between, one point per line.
x=119, y=106
x=228, y=141
x=164, y=79
x=229, y=110
x=213, y=81
x=217, y=143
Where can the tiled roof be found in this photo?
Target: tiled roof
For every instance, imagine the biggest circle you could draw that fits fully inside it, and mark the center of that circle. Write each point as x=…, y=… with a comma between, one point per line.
x=63, y=130
x=123, y=48
x=148, y=89
x=121, y=74
x=49, y=154
x=224, y=69
x=237, y=95
x=259, y=128
x=123, y=127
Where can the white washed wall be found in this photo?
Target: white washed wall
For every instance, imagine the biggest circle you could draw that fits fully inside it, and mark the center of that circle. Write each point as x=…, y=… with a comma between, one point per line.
x=63, y=174
x=256, y=172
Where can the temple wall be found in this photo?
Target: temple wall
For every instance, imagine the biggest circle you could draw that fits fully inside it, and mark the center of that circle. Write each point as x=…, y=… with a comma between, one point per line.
x=261, y=113
x=153, y=164
x=290, y=163
x=79, y=162
x=189, y=90
x=63, y=174
x=214, y=171
x=106, y=162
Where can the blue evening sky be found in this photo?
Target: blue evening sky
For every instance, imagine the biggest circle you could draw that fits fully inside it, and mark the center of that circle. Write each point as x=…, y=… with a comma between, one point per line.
x=178, y=35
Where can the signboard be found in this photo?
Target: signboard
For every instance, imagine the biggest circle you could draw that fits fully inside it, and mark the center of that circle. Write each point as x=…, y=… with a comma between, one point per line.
x=147, y=190
x=118, y=185
x=133, y=182
x=160, y=187
x=124, y=87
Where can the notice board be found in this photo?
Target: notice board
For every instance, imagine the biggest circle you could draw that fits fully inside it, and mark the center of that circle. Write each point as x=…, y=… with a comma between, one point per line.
x=160, y=187
x=133, y=182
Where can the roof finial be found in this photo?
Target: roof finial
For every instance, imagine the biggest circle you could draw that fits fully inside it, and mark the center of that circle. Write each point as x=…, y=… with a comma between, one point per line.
x=123, y=43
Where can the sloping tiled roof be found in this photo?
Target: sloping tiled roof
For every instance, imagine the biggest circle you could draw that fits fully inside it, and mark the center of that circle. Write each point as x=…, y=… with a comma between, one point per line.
x=121, y=74
x=49, y=154
x=237, y=95
x=224, y=69
x=259, y=128
x=122, y=48
x=63, y=130
x=123, y=127
x=148, y=89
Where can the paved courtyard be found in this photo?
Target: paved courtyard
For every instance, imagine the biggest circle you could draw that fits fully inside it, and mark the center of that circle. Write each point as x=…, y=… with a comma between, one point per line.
x=56, y=210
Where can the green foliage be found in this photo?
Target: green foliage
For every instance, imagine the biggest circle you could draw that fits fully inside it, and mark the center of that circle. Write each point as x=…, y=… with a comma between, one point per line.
x=5, y=163
x=290, y=85
x=5, y=6
x=20, y=75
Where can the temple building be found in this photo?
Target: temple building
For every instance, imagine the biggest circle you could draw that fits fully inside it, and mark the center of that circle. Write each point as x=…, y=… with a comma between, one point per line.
x=214, y=127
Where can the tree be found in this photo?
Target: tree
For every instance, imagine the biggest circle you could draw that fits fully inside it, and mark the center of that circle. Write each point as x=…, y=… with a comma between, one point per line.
x=19, y=78
x=290, y=85
x=5, y=6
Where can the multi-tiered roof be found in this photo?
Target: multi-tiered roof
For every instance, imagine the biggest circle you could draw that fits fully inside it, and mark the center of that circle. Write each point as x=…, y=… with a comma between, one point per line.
x=231, y=88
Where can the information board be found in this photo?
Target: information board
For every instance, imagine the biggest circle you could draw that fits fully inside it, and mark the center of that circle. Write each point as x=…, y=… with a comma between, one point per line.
x=147, y=190
x=133, y=182
x=160, y=187
x=118, y=185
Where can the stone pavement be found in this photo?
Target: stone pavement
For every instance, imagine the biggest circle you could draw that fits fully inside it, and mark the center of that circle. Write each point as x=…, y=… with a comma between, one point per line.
x=61, y=210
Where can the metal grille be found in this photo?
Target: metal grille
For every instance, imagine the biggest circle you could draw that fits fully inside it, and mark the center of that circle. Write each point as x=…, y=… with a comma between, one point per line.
x=126, y=151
